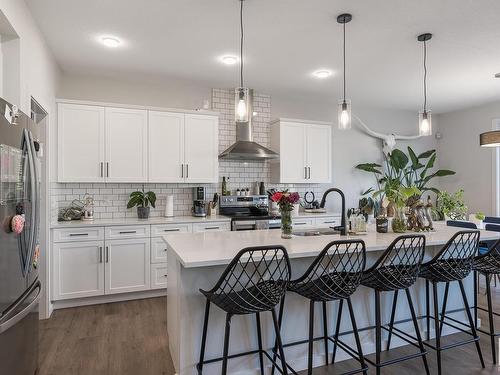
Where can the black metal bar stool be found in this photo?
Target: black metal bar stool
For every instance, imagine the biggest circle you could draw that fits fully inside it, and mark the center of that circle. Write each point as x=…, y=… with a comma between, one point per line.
x=334, y=275
x=397, y=269
x=255, y=281
x=488, y=265
x=452, y=263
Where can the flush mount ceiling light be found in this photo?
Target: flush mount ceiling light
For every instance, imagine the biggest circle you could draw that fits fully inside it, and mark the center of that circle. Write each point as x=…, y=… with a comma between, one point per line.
x=322, y=73
x=424, y=117
x=490, y=139
x=242, y=94
x=344, y=110
x=110, y=42
x=229, y=60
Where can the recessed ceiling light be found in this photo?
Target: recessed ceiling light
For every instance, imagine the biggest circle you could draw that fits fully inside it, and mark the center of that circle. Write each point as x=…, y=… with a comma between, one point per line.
x=322, y=73
x=229, y=60
x=110, y=42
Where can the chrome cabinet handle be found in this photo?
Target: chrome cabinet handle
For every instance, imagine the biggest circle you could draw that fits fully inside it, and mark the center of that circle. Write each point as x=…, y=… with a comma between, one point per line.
x=107, y=169
x=299, y=223
x=305, y=173
x=309, y=174
x=329, y=222
x=210, y=228
x=107, y=254
x=187, y=170
x=172, y=230
x=100, y=254
x=78, y=234
x=128, y=232
x=102, y=169
x=182, y=170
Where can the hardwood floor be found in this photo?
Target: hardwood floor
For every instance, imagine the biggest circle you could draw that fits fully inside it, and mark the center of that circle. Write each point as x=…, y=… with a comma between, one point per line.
x=130, y=338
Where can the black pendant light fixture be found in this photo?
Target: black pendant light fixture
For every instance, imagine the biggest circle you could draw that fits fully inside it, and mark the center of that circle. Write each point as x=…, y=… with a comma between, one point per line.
x=424, y=117
x=241, y=98
x=344, y=110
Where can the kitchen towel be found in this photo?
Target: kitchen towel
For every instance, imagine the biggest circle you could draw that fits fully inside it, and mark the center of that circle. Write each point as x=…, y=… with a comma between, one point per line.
x=169, y=206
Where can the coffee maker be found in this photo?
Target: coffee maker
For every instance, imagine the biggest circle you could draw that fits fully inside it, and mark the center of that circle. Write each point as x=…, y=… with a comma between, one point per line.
x=199, y=202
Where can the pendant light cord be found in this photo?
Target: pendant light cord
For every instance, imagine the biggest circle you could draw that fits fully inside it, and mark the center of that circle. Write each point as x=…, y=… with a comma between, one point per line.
x=344, y=61
x=425, y=76
x=241, y=43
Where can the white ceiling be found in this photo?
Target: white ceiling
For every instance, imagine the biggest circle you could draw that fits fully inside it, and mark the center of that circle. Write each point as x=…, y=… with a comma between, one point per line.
x=286, y=40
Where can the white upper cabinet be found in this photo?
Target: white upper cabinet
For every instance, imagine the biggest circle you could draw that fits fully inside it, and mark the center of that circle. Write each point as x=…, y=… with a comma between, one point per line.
x=305, y=150
x=126, y=145
x=81, y=143
x=201, y=149
x=166, y=147
x=108, y=144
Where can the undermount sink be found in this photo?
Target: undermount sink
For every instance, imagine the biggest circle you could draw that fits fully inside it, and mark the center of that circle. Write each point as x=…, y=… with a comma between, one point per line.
x=316, y=232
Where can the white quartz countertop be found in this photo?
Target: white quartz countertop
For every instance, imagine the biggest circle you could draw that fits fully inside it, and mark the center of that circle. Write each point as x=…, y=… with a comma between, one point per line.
x=164, y=220
x=136, y=221
x=219, y=248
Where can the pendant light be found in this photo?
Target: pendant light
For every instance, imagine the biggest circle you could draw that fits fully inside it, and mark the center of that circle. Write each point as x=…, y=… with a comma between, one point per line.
x=241, y=97
x=490, y=139
x=344, y=110
x=424, y=117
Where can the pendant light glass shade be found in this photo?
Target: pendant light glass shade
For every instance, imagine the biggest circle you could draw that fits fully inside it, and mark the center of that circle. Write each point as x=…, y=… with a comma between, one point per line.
x=344, y=114
x=490, y=139
x=425, y=123
x=241, y=104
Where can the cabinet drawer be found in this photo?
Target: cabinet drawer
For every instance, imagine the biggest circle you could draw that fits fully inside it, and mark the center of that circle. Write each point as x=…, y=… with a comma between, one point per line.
x=160, y=230
x=211, y=227
x=158, y=250
x=129, y=231
x=79, y=234
x=328, y=221
x=158, y=276
x=299, y=222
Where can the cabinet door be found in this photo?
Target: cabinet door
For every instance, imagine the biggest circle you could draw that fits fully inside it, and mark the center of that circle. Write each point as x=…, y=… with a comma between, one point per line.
x=127, y=265
x=126, y=145
x=81, y=143
x=166, y=147
x=77, y=269
x=159, y=276
x=319, y=153
x=201, y=148
x=292, y=153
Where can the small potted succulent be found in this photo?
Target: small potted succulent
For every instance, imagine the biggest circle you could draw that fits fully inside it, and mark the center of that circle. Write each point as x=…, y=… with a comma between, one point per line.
x=142, y=200
x=477, y=219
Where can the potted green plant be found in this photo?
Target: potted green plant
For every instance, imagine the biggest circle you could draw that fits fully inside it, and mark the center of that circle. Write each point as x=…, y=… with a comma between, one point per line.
x=451, y=206
x=398, y=195
x=142, y=200
x=477, y=219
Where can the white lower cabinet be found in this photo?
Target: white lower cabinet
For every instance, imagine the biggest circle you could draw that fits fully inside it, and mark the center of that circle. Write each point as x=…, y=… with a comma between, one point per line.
x=78, y=269
x=212, y=227
x=159, y=276
x=127, y=265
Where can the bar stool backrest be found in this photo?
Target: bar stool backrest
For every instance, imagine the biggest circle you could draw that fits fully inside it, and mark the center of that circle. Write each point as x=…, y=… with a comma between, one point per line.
x=492, y=227
x=399, y=266
x=491, y=260
x=336, y=272
x=492, y=219
x=454, y=261
x=256, y=279
x=461, y=224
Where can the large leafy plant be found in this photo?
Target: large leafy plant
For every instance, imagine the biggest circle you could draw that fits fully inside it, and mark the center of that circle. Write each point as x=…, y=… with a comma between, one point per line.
x=451, y=205
x=410, y=170
x=142, y=199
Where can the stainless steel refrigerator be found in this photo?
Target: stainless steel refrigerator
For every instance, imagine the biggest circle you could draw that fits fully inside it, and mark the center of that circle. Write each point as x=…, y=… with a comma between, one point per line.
x=20, y=288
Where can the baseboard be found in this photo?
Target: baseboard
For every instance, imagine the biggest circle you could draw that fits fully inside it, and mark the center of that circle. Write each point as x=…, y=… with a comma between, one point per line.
x=64, y=304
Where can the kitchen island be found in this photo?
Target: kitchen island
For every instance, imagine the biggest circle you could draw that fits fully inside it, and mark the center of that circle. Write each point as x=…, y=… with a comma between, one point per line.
x=197, y=261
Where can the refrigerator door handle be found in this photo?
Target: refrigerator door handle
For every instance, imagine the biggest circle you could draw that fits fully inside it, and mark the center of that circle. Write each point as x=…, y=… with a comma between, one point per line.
x=4, y=326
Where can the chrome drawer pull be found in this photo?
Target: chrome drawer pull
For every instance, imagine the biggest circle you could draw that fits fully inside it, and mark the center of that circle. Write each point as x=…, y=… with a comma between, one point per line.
x=129, y=232
x=300, y=223
x=329, y=222
x=171, y=230
x=209, y=228
x=78, y=234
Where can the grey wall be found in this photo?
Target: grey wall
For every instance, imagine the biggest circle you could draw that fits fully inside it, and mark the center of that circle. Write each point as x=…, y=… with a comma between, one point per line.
x=349, y=147
x=459, y=150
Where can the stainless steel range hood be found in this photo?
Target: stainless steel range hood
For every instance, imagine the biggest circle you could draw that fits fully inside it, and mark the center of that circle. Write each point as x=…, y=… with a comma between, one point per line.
x=245, y=148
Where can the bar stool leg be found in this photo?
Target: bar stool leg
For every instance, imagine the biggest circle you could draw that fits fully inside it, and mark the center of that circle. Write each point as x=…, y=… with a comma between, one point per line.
x=259, y=338
x=311, y=337
x=393, y=315
x=378, y=332
x=337, y=329
x=427, y=310
x=280, y=321
x=417, y=330
x=476, y=284
x=436, y=326
x=443, y=309
x=226, y=344
x=204, y=338
x=490, y=317
x=356, y=335
x=325, y=333
x=279, y=343
x=471, y=323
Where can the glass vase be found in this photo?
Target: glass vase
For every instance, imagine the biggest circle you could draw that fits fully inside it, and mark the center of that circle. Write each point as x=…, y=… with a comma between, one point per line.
x=286, y=223
x=399, y=220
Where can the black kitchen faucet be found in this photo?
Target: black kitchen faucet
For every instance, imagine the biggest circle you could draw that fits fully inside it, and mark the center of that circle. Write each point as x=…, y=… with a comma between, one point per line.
x=343, y=227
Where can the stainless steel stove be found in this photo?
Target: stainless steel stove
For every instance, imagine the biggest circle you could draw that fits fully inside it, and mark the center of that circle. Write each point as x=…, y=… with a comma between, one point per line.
x=248, y=212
